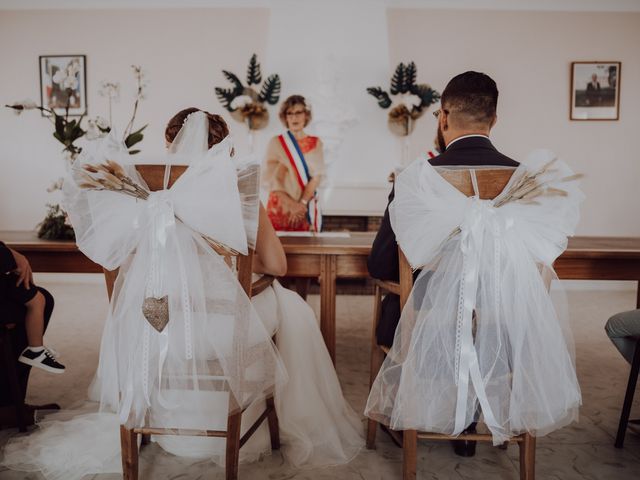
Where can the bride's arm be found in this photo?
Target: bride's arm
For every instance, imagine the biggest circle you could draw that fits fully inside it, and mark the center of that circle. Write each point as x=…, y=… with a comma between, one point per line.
x=269, y=258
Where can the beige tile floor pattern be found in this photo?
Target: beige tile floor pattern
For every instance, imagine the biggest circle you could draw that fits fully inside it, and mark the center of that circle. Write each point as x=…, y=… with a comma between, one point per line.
x=581, y=451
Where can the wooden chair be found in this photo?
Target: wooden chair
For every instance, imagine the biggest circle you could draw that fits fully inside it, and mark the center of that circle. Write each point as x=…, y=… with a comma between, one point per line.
x=628, y=398
x=154, y=176
x=491, y=181
x=15, y=389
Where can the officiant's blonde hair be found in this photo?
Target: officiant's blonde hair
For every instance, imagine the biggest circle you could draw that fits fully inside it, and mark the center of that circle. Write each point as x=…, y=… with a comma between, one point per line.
x=218, y=128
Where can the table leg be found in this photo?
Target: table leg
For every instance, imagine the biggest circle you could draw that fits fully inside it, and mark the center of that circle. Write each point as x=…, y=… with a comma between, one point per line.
x=328, y=303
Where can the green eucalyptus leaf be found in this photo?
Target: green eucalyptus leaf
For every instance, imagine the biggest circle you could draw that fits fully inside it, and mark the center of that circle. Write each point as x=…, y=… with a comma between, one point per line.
x=140, y=130
x=132, y=139
x=59, y=125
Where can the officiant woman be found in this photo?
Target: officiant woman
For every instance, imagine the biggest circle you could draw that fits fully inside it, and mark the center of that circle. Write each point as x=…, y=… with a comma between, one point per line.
x=292, y=171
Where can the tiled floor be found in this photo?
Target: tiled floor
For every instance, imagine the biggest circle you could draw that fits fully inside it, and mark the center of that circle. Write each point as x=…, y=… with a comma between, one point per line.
x=581, y=451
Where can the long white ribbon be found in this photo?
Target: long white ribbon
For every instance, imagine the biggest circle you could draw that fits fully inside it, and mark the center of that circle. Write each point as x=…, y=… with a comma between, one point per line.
x=467, y=365
x=163, y=218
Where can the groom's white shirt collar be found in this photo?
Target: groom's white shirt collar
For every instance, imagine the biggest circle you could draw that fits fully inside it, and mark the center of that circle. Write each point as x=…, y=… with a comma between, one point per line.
x=466, y=136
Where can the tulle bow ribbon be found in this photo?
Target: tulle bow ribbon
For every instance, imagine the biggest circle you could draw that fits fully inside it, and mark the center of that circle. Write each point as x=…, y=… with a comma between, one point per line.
x=430, y=217
x=203, y=203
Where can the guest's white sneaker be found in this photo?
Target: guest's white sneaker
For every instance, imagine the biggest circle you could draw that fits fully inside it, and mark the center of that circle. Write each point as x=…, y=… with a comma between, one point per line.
x=41, y=357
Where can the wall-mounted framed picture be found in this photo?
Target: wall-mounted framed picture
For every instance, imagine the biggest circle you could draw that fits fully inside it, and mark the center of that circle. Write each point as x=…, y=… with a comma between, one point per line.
x=595, y=91
x=63, y=83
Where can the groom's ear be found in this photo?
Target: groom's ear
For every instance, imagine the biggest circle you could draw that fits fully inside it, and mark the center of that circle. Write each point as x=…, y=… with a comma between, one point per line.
x=444, y=120
x=494, y=121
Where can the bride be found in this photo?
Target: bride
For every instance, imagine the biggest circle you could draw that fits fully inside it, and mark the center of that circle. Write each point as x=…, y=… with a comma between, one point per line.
x=317, y=426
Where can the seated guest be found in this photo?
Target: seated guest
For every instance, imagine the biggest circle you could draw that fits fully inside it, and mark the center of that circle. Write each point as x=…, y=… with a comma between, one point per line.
x=465, y=119
x=293, y=168
x=623, y=329
x=23, y=302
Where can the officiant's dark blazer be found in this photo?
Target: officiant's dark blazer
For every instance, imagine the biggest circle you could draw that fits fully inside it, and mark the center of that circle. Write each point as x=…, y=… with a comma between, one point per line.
x=383, y=260
x=14, y=313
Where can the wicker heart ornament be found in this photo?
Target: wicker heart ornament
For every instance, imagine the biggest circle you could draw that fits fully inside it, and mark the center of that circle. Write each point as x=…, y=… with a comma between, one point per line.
x=156, y=311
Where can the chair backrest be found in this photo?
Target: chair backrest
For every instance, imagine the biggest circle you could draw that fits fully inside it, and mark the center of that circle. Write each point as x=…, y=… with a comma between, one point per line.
x=491, y=182
x=153, y=175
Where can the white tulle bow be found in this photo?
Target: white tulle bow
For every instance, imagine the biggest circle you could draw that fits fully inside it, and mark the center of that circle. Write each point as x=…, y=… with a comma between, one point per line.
x=479, y=259
x=159, y=244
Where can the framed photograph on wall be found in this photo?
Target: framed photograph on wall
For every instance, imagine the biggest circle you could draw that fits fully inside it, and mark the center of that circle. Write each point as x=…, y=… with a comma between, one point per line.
x=595, y=91
x=63, y=83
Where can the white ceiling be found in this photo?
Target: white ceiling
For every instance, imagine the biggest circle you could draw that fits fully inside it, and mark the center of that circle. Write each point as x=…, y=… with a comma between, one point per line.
x=555, y=5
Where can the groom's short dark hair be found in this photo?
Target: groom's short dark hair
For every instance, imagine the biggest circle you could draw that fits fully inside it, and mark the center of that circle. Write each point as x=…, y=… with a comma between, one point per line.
x=472, y=97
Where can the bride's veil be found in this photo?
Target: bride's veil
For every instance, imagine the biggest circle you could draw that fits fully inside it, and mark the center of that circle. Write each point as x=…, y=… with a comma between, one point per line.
x=191, y=145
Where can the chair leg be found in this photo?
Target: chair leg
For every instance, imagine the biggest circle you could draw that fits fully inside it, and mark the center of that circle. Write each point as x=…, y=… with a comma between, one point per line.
x=274, y=429
x=409, y=454
x=377, y=357
x=628, y=398
x=129, y=447
x=528, y=457
x=14, y=384
x=233, y=446
x=372, y=430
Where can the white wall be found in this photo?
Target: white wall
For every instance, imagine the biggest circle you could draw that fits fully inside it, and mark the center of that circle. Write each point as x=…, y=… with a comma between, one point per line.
x=183, y=51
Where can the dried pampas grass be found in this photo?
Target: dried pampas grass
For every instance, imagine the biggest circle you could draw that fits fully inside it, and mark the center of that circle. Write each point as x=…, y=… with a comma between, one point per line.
x=530, y=186
x=110, y=176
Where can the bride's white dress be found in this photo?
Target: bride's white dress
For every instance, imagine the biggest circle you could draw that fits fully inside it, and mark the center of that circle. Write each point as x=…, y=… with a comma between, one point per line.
x=166, y=378
x=317, y=425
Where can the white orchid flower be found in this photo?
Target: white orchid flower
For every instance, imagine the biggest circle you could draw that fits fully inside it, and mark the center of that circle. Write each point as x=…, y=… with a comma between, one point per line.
x=109, y=90
x=95, y=128
x=101, y=122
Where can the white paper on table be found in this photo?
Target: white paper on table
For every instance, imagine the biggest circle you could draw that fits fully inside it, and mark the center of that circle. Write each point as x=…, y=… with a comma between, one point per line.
x=312, y=234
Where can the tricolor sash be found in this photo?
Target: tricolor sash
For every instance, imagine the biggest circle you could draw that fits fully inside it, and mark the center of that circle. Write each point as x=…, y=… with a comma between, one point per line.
x=299, y=164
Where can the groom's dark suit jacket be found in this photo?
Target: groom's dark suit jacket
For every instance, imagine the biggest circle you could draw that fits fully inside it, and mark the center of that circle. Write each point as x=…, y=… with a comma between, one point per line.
x=383, y=261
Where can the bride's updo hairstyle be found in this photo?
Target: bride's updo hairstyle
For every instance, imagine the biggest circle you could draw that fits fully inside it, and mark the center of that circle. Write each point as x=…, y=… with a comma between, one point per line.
x=218, y=128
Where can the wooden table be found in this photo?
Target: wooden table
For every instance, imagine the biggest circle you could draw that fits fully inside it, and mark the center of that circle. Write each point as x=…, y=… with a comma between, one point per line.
x=329, y=258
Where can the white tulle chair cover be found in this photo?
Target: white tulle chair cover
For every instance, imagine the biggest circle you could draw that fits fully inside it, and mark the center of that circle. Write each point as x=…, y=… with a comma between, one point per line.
x=518, y=365
x=214, y=341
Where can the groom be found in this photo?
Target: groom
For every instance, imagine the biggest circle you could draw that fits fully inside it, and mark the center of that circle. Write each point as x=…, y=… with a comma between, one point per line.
x=465, y=119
